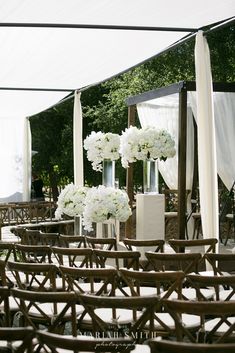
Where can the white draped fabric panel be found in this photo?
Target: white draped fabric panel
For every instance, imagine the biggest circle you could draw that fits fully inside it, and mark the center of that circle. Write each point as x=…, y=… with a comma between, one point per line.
x=11, y=157
x=207, y=164
x=27, y=156
x=163, y=113
x=224, y=112
x=77, y=141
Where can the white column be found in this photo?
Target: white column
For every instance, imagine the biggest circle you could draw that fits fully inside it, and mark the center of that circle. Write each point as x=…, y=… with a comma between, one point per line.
x=27, y=161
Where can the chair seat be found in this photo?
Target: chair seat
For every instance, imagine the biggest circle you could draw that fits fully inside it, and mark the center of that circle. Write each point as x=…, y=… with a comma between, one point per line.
x=124, y=316
x=86, y=287
x=48, y=309
x=144, y=291
x=189, y=321
x=190, y=294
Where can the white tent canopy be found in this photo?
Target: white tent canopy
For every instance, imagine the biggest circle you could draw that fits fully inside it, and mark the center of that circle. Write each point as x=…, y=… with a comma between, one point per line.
x=63, y=45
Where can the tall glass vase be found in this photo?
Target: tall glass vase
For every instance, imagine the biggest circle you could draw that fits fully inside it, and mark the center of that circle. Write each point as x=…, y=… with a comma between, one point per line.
x=77, y=225
x=108, y=174
x=150, y=176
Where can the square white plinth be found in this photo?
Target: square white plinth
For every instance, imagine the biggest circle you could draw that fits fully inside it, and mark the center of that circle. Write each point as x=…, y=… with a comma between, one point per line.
x=150, y=219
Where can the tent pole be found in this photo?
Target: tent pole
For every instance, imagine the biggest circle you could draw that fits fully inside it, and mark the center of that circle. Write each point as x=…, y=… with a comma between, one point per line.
x=129, y=176
x=182, y=164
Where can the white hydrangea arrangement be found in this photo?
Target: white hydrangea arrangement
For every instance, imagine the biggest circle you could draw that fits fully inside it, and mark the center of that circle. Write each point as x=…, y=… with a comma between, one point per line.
x=147, y=143
x=102, y=146
x=71, y=201
x=103, y=203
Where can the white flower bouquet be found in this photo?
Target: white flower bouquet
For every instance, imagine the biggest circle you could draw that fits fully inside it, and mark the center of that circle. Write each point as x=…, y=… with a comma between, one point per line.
x=102, y=146
x=103, y=203
x=71, y=201
x=147, y=143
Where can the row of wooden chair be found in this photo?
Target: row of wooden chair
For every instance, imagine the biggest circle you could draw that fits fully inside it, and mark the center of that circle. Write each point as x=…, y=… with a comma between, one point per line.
x=49, y=342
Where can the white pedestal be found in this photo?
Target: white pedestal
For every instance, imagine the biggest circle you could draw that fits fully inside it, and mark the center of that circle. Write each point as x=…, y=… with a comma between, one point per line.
x=150, y=219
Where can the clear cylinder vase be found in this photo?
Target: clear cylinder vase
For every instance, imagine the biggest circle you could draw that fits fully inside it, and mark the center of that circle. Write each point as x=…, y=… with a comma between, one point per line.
x=150, y=176
x=108, y=174
x=77, y=225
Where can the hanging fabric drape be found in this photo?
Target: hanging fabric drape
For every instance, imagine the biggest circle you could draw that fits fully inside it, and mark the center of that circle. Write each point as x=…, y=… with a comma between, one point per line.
x=77, y=141
x=163, y=113
x=206, y=140
x=27, y=157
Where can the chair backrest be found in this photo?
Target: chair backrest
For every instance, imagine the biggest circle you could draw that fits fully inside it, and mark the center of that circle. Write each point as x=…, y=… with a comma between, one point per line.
x=126, y=316
x=186, y=262
x=168, y=282
x=163, y=346
x=180, y=245
x=216, y=317
x=222, y=286
x=73, y=241
x=102, y=243
x=117, y=259
x=31, y=237
x=60, y=308
x=101, y=281
x=17, y=339
x=4, y=302
x=156, y=245
x=134, y=244
x=34, y=276
x=74, y=344
x=51, y=239
x=34, y=253
x=221, y=262
x=7, y=251
x=74, y=257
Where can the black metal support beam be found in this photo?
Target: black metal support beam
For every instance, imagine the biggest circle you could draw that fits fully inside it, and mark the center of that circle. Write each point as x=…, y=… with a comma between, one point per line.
x=96, y=26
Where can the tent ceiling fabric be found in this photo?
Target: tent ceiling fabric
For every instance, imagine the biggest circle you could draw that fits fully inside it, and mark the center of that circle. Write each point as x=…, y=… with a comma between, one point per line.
x=73, y=58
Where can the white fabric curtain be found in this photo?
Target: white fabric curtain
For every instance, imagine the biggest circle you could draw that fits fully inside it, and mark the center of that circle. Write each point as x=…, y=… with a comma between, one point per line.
x=27, y=159
x=78, y=141
x=206, y=140
x=11, y=159
x=224, y=111
x=163, y=113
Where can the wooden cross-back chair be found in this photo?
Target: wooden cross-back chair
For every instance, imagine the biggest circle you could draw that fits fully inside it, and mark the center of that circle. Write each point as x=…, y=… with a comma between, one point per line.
x=7, y=251
x=117, y=259
x=186, y=262
x=217, y=323
x=17, y=339
x=156, y=245
x=34, y=253
x=204, y=246
x=122, y=316
x=164, y=346
x=56, y=343
x=50, y=309
x=102, y=243
x=73, y=257
x=5, y=318
x=98, y=281
x=221, y=287
x=221, y=263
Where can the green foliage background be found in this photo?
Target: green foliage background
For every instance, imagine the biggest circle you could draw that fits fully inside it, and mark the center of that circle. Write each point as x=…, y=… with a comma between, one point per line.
x=104, y=108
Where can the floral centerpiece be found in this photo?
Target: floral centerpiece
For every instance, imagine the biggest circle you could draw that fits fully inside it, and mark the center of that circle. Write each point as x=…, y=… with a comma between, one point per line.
x=71, y=201
x=103, y=203
x=101, y=146
x=143, y=144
